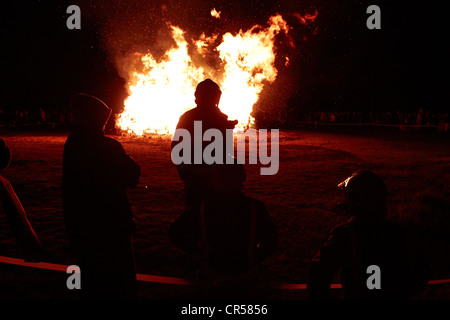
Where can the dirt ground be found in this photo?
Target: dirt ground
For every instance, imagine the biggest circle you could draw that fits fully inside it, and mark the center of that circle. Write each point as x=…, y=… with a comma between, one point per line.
x=299, y=198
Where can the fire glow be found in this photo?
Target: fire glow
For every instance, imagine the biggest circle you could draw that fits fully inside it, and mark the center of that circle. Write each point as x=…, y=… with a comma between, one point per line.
x=163, y=90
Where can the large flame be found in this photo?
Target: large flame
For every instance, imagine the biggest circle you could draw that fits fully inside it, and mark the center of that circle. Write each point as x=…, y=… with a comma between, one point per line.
x=164, y=89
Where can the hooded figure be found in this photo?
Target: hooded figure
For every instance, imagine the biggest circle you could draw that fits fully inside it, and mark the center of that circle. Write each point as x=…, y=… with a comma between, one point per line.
x=368, y=239
x=96, y=174
x=26, y=237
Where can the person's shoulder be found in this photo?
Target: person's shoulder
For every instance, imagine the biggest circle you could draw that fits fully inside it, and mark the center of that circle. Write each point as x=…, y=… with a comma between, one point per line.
x=217, y=115
x=190, y=215
x=221, y=114
x=393, y=224
x=187, y=117
x=111, y=143
x=395, y=227
x=189, y=113
x=255, y=203
x=355, y=224
x=345, y=227
x=70, y=137
x=72, y=143
x=4, y=182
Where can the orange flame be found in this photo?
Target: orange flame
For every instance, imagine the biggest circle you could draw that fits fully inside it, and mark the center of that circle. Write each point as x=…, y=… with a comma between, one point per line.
x=215, y=13
x=306, y=18
x=164, y=89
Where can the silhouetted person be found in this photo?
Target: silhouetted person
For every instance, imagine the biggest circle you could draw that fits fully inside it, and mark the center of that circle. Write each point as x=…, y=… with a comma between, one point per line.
x=17, y=218
x=197, y=177
x=96, y=174
x=230, y=235
x=368, y=238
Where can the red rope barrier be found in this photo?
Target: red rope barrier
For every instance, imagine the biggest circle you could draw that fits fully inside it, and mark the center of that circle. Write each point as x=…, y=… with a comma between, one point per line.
x=163, y=279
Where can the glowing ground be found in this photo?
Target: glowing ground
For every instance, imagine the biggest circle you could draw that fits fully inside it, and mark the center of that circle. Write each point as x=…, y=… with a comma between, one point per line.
x=299, y=198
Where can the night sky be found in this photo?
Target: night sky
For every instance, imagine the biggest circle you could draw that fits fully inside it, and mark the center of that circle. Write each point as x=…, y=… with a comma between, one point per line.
x=337, y=63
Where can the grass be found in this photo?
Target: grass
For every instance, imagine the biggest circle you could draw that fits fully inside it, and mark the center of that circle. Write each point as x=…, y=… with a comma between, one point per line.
x=300, y=198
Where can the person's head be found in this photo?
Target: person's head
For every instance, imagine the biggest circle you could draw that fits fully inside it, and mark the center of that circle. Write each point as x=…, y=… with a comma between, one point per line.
x=365, y=194
x=207, y=94
x=89, y=111
x=5, y=155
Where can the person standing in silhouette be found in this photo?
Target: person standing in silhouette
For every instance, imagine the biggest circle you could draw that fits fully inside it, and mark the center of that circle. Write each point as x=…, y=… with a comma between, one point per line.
x=368, y=240
x=96, y=174
x=197, y=177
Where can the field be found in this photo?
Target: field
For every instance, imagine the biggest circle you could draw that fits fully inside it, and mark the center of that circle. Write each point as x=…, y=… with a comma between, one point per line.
x=300, y=198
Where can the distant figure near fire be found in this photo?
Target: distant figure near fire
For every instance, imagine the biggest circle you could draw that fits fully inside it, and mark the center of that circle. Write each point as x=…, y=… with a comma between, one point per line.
x=96, y=174
x=197, y=177
x=375, y=258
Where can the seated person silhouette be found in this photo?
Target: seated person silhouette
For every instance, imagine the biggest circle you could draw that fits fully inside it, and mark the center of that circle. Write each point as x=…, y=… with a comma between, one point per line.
x=96, y=174
x=368, y=239
x=197, y=177
x=27, y=239
x=230, y=235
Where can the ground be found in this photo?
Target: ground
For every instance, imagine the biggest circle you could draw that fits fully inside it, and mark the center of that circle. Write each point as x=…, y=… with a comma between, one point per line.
x=300, y=199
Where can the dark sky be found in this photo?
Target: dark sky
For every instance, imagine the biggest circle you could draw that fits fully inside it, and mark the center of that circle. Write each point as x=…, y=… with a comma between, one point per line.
x=337, y=62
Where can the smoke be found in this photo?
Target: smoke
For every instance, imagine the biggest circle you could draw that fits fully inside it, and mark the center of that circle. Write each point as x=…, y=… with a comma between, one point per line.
x=126, y=27
x=130, y=29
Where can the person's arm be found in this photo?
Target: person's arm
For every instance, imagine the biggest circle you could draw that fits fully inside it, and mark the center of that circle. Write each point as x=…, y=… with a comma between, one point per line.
x=184, y=232
x=182, y=124
x=131, y=171
x=123, y=169
x=267, y=233
x=419, y=269
x=17, y=218
x=184, y=170
x=324, y=266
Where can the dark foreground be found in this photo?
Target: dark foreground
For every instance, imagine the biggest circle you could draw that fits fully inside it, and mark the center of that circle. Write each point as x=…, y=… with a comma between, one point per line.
x=299, y=198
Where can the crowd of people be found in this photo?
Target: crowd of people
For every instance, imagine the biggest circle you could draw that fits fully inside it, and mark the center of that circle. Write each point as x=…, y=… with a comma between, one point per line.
x=228, y=233
x=405, y=120
x=421, y=119
x=34, y=118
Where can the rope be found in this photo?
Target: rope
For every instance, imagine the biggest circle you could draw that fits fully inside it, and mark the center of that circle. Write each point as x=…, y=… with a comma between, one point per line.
x=164, y=279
